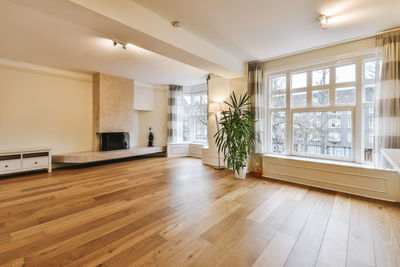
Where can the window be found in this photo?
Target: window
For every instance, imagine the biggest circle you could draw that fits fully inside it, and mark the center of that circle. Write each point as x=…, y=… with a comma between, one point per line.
x=320, y=77
x=278, y=126
x=278, y=91
x=195, y=117
x=313, y=129
x=368, y=91
x=313, y=114
x=346, y=73
x=299, y=80
x=320, y=97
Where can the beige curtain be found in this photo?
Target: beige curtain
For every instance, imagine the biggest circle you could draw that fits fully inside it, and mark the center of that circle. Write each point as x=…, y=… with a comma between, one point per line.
x=256, y=90
x=388, y=92
x=175, y=114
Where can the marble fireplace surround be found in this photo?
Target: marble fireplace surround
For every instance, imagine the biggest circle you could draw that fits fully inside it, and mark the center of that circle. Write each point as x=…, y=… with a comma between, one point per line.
x=112, y=105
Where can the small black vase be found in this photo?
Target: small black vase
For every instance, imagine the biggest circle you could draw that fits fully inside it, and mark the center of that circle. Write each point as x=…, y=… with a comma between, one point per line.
x=150, y=142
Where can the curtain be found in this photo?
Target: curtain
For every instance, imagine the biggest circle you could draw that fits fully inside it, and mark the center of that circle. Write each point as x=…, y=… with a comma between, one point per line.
x=175, y=114
x=388, y=92
x=256, y=90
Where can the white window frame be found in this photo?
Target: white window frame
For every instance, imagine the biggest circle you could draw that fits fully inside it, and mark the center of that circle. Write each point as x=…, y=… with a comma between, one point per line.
x=193, y=116
x=357, y=123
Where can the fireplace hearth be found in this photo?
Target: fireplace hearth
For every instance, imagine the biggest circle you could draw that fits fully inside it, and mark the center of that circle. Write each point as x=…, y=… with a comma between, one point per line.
x=113, y=141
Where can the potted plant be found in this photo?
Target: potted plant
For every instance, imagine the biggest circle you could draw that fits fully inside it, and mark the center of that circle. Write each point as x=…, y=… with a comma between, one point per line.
x=236, y=136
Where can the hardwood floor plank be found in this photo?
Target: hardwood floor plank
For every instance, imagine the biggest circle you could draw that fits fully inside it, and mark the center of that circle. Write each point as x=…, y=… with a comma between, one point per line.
x=360, y=248
x=386, y=246
x=334, y=246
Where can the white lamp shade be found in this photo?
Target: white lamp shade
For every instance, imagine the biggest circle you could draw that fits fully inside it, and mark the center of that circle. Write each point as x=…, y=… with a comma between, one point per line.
x=217, y=107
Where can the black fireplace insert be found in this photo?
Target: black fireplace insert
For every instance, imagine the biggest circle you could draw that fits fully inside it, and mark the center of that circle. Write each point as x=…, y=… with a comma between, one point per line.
x=114, y=141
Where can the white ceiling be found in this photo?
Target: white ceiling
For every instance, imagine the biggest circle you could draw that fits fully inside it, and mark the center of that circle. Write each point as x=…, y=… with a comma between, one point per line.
x=263, y=29
x=215, y=37
x=34, y=37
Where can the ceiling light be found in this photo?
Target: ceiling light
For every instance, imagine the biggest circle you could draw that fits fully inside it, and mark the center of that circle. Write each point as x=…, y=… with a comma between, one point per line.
x=323, y=20
x=123, y=44
x=176, y=24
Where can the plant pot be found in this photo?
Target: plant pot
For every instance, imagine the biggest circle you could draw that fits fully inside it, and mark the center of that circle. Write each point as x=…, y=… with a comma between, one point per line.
x=242, y=173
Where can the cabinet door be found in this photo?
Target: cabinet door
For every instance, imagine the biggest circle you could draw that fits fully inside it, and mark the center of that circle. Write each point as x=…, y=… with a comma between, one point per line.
x=28, y=163
x=7, y=165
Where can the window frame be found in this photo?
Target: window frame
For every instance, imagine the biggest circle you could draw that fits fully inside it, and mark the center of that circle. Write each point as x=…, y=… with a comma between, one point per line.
x=357, y=124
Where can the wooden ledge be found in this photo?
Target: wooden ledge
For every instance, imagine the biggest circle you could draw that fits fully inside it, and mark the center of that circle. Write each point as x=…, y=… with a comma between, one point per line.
x=93, y=156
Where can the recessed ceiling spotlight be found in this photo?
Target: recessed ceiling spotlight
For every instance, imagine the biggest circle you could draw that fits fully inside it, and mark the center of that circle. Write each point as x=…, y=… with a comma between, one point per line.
x=176, y=24
x=323, y=20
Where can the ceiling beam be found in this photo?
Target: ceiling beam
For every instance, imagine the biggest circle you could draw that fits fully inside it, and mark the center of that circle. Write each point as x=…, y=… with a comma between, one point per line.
x=129, y=22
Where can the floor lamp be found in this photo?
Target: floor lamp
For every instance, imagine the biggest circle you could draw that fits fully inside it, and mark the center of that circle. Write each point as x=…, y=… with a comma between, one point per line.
x=217, y=108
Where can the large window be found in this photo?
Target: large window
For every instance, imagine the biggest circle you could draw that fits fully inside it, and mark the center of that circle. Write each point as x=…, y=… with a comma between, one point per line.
x=195, y=117
x=324, y=111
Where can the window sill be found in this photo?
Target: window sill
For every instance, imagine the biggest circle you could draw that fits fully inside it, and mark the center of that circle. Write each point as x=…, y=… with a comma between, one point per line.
x=188, y=143
x=326, y=161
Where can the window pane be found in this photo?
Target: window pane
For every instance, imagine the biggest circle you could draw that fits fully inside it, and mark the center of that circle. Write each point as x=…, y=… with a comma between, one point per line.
x=320, y=97
x=320, y=77
x=345, y=95
x=299, y=99
x=368, y=133
x=369, y=70
x=278, y=126
x=278, y=101
x=186, y=99
x=278, y=83
x=346, y=73
x=312, y=134
x=299, y=80
x=369, y=93
x=196, y=99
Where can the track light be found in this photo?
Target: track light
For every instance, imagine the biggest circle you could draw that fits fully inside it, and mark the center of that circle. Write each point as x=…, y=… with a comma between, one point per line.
x=123, y=44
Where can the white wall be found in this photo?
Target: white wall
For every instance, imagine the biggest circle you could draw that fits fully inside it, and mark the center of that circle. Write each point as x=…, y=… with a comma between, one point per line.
x=40, y=108
x=359, y=47
x=156, y=118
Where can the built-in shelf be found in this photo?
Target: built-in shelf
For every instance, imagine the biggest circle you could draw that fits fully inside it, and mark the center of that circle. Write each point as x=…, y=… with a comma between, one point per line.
x=93, y=156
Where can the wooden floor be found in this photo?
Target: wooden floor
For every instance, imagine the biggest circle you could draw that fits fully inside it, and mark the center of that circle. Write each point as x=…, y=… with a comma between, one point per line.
x=178, y=212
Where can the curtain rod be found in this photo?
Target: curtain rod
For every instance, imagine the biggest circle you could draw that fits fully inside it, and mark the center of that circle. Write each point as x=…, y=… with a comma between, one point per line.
x=391, y=30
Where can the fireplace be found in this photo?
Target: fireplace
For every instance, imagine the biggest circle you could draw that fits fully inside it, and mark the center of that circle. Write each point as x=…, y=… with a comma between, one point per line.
x=113, y=141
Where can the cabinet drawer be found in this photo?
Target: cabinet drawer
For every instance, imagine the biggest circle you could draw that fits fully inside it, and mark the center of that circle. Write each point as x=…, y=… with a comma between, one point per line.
x=28, y=163
x=10, y=165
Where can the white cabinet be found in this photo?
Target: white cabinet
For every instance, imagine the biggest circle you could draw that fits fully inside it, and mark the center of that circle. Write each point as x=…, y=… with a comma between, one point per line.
x=13, y=161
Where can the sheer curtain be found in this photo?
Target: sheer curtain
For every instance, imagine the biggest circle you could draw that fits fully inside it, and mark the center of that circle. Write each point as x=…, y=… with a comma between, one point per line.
x=256, y=89
x=175, y=114
x=388, y=92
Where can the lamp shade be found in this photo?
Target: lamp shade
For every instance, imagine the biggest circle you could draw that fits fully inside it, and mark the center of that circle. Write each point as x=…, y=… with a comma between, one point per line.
x=217, y=107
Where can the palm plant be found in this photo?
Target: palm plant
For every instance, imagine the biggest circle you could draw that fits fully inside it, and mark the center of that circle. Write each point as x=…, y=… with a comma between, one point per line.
x=236, y=137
